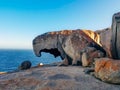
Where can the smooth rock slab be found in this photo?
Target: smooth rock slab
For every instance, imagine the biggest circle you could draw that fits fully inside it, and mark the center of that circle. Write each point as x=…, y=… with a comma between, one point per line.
x=53, y=78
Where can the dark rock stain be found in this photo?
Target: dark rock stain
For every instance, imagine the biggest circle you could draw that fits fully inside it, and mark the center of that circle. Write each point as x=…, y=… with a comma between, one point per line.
x=59, y=76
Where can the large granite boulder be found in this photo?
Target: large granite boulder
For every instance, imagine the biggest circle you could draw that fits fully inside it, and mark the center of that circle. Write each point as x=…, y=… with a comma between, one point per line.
x=68, y=44
x=108, y=70
x=115, y=44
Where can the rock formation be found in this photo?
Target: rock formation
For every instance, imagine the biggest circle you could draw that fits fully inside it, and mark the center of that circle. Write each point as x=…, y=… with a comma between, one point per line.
x=115, y=44
x=69, y=44
x=108, y=70
x=84, y=46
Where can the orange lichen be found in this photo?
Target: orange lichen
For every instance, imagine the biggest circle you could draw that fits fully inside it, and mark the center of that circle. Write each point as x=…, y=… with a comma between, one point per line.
x=112, y=65
x=99, y=64
x=107, y=64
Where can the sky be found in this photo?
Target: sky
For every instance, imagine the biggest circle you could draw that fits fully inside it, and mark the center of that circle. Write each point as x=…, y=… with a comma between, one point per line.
x=22, y=20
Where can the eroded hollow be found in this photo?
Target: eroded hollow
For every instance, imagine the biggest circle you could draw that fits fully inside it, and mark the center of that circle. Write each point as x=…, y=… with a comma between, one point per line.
x=53, y=51
x=50, y=56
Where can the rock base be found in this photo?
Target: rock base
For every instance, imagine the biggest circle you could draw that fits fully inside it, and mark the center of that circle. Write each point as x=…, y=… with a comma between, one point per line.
x=53, y=78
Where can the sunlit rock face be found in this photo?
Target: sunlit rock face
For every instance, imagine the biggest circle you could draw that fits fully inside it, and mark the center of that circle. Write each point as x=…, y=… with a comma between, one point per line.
x=68, y=44
x=116, y=36
x=93, y=35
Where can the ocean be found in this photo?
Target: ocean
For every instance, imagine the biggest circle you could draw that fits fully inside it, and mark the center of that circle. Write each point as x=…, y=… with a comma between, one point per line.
x=10, y=60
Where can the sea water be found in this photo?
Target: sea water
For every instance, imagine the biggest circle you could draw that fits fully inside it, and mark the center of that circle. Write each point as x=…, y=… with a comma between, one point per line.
x=10, y=60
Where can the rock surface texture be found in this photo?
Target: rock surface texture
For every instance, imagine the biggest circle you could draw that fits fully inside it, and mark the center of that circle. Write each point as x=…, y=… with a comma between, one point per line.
x=105, y=40
x=89, y=55
x=108, y=70
x=69, y=44
x=53, y=78
x=116, y=36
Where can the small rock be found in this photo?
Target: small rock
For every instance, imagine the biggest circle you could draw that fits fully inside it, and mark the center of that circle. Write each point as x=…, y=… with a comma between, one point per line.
x=25, y=65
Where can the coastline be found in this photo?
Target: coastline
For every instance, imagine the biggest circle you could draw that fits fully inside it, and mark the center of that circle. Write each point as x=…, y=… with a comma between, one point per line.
x=3, y=73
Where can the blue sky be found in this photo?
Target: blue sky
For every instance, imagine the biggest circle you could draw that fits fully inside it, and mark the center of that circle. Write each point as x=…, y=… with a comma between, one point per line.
x=22, y=20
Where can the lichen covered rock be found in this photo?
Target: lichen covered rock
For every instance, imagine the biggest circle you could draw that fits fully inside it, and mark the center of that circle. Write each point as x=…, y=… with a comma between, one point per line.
x=108, y=70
